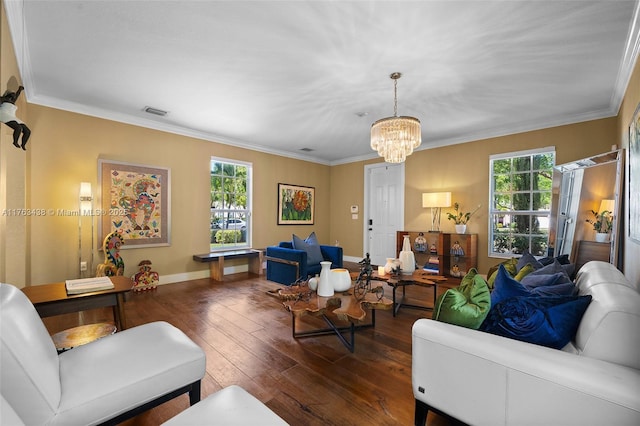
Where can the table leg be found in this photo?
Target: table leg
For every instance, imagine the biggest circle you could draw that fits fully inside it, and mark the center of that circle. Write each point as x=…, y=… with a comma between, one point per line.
x=118, y=312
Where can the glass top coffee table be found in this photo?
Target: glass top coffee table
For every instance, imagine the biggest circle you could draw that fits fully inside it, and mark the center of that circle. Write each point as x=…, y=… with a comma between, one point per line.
x=301, y=301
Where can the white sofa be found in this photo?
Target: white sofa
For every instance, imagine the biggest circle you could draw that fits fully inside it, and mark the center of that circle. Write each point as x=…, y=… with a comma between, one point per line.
x=485, y=379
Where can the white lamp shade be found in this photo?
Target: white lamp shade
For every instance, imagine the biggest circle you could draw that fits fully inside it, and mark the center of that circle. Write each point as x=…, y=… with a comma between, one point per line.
x=436, y=199
x=85, y=190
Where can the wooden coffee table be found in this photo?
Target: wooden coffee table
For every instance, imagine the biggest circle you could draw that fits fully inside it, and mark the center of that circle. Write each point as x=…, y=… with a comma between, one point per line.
x=418, y=278
x=343, y=305
x=52, y=299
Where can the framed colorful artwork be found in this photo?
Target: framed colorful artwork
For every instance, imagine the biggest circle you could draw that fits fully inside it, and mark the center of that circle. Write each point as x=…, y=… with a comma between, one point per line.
x=296, y=204
x=634, y=176
x=136, y=203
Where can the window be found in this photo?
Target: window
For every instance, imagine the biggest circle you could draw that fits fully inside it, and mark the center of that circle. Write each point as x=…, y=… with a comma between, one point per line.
x=230, y=204
x=520, y=202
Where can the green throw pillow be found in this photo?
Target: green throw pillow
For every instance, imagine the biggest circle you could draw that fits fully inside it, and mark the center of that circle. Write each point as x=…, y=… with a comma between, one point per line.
x=524, y=271
x=467, y=305
x=510, y=265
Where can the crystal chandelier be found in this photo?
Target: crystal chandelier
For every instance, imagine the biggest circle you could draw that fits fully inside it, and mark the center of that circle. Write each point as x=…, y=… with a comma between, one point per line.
x=395, y=137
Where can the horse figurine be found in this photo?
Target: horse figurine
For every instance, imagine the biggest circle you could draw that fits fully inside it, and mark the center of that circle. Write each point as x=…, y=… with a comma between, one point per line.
x=113, y=264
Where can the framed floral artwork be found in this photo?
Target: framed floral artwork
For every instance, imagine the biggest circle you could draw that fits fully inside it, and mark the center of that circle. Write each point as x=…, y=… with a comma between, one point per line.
x=136, y=203
x=296, y=204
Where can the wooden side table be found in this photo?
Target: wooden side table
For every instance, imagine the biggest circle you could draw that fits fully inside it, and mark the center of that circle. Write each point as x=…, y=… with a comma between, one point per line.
x=81, y=335
x=52, y=299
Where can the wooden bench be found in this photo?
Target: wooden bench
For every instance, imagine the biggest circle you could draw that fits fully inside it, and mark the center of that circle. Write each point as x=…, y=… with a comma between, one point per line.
x=216, y=261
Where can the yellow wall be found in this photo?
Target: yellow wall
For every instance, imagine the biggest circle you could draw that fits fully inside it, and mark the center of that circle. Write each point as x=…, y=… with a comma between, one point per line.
x=462, y=169
x=65, y=147
x=65, y=150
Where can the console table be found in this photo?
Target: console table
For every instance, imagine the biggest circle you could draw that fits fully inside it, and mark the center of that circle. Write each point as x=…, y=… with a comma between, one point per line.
x=52, y=299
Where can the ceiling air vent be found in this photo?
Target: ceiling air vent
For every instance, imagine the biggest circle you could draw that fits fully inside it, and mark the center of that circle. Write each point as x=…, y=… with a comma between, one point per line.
x=155, y=111
x=306, y=149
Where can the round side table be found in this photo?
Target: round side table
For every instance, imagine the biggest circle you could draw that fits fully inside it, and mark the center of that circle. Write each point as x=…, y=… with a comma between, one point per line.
x=81, y=335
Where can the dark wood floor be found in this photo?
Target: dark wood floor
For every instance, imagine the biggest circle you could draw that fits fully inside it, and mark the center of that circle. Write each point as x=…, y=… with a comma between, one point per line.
x=246, y=335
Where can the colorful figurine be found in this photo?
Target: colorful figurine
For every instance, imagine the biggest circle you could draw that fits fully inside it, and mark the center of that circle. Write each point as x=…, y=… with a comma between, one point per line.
x=145, y=279
x=113, y=264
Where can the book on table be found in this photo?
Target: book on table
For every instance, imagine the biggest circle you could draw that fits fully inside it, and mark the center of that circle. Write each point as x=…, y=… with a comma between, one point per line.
x=86, y=285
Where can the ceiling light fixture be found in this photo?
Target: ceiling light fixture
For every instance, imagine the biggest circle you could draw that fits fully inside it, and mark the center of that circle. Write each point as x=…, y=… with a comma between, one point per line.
x=395, y=137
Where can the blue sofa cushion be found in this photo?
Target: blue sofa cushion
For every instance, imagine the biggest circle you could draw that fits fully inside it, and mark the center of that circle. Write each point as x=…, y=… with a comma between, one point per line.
x=507, y=287
x=542, y=320
x=310, y=246
x=528, y=258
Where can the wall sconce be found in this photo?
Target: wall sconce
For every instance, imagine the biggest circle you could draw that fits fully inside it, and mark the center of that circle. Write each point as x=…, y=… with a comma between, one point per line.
x=85, y=208
x=436, y=200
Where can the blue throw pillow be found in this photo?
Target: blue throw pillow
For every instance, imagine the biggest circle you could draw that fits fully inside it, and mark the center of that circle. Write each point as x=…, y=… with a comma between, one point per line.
x=506, y=287
x=311, y=246
x=550, y=321
x=542, y=280
x=528, y=258
x=564, y=289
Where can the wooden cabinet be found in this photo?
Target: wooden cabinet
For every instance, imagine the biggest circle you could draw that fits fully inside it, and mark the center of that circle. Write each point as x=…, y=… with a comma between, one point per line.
x=585, y=251
x=442, y=253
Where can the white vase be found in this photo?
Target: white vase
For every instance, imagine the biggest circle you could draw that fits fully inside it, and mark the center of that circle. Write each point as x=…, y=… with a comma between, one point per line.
x=461, y=229
x=602, y=237
x=325, y=287
x=313, y=282
x=407, y=258
x=340, y=279
x=390, y=265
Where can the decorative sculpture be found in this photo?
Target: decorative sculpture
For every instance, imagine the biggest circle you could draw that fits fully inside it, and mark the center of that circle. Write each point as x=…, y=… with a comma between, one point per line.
x=8, y=110
x=145, y=279
x=113, y=264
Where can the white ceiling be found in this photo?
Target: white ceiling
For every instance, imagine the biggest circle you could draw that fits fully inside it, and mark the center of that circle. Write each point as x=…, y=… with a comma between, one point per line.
x=280, y=76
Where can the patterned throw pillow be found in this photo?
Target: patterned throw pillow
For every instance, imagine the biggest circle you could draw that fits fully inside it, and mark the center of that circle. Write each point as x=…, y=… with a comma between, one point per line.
x=467, y=305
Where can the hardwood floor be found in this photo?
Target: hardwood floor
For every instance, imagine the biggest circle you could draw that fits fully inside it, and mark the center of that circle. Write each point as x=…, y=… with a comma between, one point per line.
x=246, y=335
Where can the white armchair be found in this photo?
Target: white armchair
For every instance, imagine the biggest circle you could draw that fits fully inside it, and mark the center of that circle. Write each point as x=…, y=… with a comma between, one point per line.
x=104, y=382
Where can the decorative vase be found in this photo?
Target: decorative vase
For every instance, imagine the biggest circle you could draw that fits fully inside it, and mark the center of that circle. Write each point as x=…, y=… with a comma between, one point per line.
x=313, y=282
x=407, y=258
x=461, y=229
x=602, y=237
x=340, y=279
x=325, y=287
x=390, y=265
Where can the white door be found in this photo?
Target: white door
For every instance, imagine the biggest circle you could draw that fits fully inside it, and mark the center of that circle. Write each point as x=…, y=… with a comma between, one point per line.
x=384, y=210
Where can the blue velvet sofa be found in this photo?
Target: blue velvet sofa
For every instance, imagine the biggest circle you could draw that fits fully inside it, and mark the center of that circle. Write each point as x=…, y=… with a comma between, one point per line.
x=286, y=264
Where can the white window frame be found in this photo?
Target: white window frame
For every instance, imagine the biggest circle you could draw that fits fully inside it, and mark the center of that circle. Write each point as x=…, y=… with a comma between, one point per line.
x=494, y=212
x=245, y=213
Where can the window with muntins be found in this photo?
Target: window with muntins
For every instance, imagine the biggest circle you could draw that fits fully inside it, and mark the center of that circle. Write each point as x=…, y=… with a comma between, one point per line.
x=520, y=202
x=230, y=204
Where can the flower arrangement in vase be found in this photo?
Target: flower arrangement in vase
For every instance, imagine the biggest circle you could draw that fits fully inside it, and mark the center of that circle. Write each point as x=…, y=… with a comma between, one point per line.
x=461, y=218
x=602, y=223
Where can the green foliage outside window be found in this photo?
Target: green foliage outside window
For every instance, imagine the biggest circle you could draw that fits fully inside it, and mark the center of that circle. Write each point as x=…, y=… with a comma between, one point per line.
x=521, y=203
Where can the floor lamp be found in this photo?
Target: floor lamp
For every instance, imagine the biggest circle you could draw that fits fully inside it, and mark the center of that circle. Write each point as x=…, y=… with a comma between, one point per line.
x=435, y=201
x=85, y=209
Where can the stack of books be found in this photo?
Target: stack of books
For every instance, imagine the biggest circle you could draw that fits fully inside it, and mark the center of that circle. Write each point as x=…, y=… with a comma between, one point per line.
x=87, y=285
x=432, y=265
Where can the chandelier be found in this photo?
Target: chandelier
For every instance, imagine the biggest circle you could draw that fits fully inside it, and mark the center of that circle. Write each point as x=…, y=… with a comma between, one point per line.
x=395, y=137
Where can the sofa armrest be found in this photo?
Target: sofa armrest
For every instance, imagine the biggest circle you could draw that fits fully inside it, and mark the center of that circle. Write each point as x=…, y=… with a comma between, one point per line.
x=481, y=378
x=333, y=254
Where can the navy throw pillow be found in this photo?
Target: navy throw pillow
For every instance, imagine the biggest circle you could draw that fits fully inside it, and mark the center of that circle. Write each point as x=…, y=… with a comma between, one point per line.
x=550, y=321
x=542, y=280
x=505, y=287
x=528, y=258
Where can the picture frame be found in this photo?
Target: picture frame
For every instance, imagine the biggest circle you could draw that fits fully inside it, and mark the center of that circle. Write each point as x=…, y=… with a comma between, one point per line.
x=296, y=204
x=634, y=176
x=136, y=202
